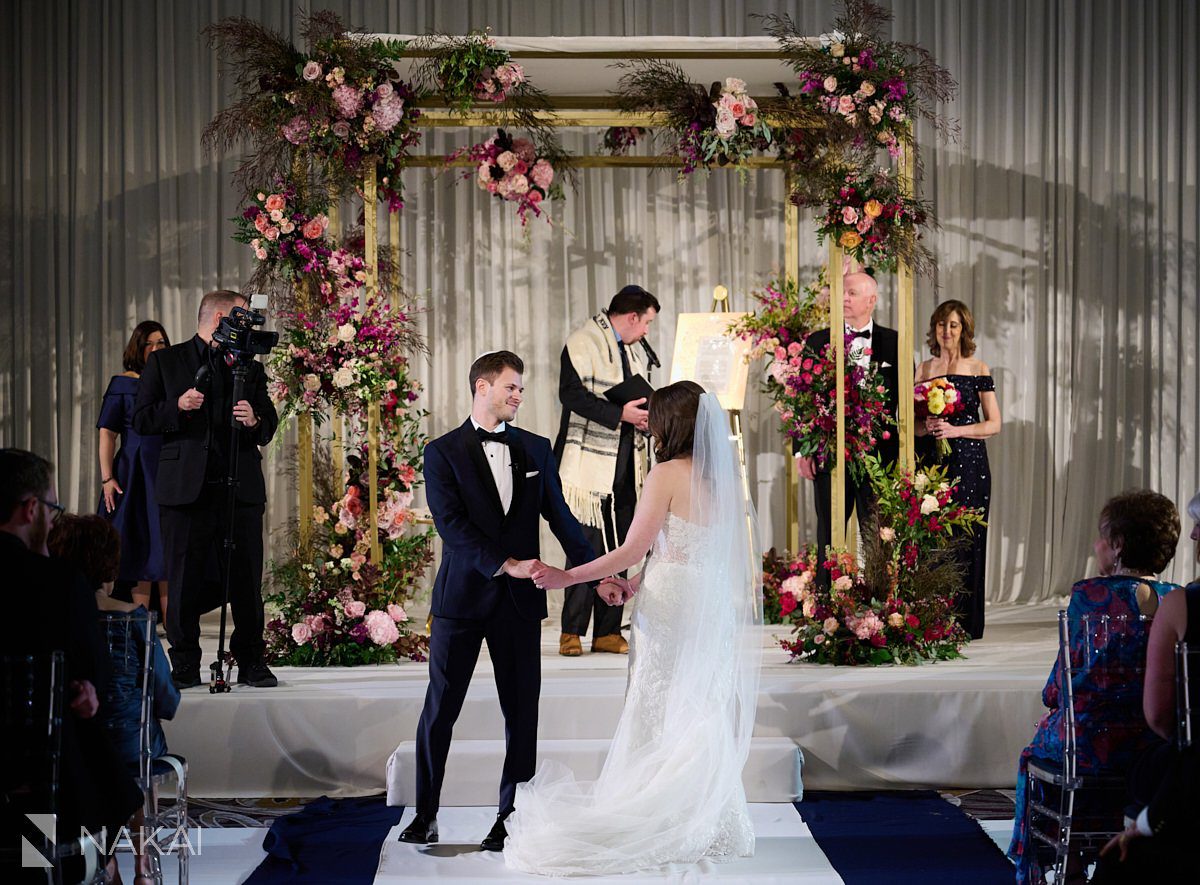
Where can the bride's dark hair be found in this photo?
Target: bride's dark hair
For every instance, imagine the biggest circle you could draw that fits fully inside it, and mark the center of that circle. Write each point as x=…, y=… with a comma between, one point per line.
x=673, y=419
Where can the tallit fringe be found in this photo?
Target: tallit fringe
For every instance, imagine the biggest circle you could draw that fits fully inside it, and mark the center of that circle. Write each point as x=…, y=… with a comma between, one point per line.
x=587, y=506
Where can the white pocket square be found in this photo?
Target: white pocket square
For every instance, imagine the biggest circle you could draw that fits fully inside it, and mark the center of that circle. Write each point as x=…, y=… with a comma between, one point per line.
x=531, y=473
x=885, y=365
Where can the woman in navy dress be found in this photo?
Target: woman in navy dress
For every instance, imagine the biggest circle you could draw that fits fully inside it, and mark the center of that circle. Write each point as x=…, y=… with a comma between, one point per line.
x=952, y=343
x=128, y=472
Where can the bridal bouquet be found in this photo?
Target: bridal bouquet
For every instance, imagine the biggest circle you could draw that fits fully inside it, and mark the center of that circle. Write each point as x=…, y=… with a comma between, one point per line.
x=937, y=398
x=510, y=169
x=807, y=405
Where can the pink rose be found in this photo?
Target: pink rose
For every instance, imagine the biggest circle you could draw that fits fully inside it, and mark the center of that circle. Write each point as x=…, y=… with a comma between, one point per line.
x=849, y=215
x=396, y=613
x=749, y=120
x=275, y=203
x=355, y=608
x=271, y=233
x=542, y=174
x=737, y=108
x=341, y=129
x=301, y=633
x=313, y=229
x=846, y=105
x=534, y=196
x=312, y=71
x=830, y=83
x=507, y=161
x=383, y=90
x=261, y=222
x=381, y=628
x=517, y=184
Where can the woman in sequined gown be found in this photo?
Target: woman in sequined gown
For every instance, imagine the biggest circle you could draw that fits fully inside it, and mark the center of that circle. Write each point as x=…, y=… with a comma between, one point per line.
x=670, y=791
x=952, y=343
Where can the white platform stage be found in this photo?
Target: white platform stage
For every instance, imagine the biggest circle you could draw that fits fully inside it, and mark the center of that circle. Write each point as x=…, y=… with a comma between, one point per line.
x=332, y=731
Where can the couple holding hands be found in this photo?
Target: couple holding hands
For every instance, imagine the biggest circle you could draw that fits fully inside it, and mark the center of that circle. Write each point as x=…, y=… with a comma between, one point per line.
x=670, y=789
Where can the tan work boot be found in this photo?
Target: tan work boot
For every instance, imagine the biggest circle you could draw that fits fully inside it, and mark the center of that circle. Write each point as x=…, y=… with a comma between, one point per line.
x=568, y=645
x=613, y=643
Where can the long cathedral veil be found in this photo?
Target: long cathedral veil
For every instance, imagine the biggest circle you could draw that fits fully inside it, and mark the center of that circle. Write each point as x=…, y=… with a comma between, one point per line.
x=671, y=787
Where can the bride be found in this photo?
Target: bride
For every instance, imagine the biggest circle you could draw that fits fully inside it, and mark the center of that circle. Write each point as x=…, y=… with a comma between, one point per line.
x=671, y=787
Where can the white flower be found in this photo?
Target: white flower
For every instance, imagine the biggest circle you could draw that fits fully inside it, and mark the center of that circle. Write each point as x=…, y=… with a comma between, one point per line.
x=830, y=625
x=346, y=333
x=343, y=377
x=312, y=382
x=733, y=84
x=726, y=122
x=920, y=481
x=928, y=504
x=887, y=533
x=845, y=582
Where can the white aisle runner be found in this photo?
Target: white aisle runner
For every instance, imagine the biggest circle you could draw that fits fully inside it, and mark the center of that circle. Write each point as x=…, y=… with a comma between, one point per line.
x=785, y=852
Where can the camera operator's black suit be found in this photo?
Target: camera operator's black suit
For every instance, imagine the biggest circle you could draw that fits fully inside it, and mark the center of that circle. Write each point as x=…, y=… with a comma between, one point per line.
x=192, y=469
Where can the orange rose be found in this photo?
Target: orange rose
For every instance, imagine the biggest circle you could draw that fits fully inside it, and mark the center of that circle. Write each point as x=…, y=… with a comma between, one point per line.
x=849, y=240
x=313, y=229
x=873, y=208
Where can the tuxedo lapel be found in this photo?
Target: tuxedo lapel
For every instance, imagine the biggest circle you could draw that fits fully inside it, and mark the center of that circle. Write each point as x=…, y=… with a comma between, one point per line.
x=470, y=441
x=519, y=458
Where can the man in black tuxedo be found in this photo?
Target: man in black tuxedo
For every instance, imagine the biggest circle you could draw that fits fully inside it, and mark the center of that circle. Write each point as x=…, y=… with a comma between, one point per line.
x=487, y=483
x=184, y=395
x=875, y=344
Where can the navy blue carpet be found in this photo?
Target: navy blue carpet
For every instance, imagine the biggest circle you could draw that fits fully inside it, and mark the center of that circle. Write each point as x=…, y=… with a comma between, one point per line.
x=327, y=841
x=911, y=836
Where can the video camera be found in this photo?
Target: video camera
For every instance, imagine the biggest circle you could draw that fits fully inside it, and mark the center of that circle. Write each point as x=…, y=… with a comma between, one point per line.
x=236, y=337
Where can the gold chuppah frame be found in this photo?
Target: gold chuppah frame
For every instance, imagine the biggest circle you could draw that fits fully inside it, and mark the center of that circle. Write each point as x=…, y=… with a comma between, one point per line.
x=591, y=111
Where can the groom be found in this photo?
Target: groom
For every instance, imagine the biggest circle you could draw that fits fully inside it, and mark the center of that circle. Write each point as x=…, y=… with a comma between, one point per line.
x=487, y=483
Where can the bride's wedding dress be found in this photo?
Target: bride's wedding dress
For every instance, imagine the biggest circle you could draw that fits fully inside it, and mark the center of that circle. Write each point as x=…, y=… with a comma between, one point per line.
x=671, y=787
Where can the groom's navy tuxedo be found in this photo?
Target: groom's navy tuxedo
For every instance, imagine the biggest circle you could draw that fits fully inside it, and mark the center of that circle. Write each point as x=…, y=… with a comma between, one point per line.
x=472, y=603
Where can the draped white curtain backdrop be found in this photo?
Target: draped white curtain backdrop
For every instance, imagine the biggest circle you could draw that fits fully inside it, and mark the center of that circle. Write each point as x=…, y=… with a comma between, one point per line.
x=1068, y=208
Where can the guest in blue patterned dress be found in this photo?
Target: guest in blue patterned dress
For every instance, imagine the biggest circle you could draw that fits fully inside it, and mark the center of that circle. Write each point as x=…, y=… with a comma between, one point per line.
x=952, y=342
x=1138, y=534
x=127, y=473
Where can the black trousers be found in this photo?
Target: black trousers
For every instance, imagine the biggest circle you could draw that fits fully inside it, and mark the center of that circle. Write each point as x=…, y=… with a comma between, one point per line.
x=858, y=498
x=514, y=644
x=580, y=601
x=192, y=536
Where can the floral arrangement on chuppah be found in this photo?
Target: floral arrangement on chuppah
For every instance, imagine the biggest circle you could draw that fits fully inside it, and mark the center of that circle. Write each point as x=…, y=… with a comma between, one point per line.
x=785, y=313
x=339, y=103
x=876, y=223
x=897, y=606
x=510, y=169
x=718, y=126
x=340, y=609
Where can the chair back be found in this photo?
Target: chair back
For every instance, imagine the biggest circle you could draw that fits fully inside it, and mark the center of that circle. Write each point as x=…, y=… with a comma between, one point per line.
x=129, y=638
x=1103, y=666
x=1187, y=690
x=32, y=689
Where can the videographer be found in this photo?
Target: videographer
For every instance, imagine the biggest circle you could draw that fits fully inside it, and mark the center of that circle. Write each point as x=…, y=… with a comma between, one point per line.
x=185, y=395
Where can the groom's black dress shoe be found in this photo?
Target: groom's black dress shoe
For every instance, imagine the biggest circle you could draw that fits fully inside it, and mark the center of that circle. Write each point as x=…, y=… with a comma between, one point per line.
x=494, y=841
x=423, y=830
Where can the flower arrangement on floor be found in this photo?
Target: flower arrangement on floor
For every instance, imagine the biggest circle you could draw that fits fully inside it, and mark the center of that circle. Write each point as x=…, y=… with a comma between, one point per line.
x=784, y=313
x=340, y=103
x=342, y=358
x=802, y=382
x=876, y=223
x=897, y=606
x=510, y=169
x=718, y=126
x=339, y=608
x=937, y=398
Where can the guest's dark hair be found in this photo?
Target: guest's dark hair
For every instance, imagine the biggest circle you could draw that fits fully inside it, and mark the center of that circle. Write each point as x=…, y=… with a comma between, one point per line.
x=490, y=365
x=673, y=419
x=134, y=359
x=23, y=475
x=633, y=299
x=1144, y=526
x=966, y=345
x=90, y=543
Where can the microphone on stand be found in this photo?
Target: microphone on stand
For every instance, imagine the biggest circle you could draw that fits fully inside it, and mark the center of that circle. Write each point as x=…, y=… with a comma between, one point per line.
x=651, y=356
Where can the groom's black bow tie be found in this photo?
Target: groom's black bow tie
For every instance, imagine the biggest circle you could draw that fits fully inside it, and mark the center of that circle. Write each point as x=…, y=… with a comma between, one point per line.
x=487, y=436
x=865, y=333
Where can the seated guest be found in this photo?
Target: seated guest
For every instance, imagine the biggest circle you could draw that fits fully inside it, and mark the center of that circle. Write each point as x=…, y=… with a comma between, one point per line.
x=58, y=613
x=1137, y=538
x=1164, y=783
x=92, y=544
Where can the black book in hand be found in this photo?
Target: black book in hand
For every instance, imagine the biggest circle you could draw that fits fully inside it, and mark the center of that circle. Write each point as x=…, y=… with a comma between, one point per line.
x=633, y=387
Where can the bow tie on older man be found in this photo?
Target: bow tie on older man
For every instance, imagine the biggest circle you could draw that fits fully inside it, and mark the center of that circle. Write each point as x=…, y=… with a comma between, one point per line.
x=864, y=333
x=500, y=436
